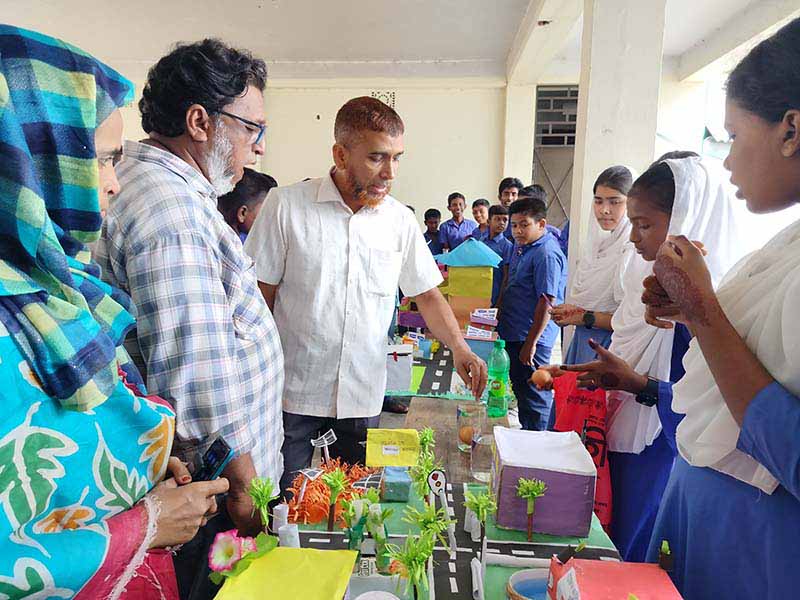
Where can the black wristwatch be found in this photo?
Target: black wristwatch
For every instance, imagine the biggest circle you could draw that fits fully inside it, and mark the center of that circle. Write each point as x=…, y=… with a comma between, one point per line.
x=588, y=319
x=649, y=395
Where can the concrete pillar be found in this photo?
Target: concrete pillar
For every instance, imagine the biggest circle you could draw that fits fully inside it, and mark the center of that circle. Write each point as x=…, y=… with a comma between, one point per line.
x=519, y=132
x=621, y=52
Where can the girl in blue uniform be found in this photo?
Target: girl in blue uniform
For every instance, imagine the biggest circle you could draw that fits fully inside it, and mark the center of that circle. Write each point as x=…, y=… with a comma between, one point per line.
x=731, y=509
x=680, y=195
x=596, y=289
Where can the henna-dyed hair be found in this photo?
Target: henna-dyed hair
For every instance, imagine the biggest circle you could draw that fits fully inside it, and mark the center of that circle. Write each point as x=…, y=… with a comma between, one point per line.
x=767, y=81
x=617, y=178
x=657, y=183
x=365, y=114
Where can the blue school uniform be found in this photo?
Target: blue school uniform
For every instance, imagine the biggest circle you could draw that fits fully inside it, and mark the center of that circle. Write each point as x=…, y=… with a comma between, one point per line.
x=434, y=243
x=481, y=236
x=535, y=269
x=504, y=249
x=579, y=350
x=564, y=239
x=552, y=229
x=452, y=234
x=638, y=480
x=728, y=539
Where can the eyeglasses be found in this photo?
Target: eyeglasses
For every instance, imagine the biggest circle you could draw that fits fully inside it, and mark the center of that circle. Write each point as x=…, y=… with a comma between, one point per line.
x=260, y=127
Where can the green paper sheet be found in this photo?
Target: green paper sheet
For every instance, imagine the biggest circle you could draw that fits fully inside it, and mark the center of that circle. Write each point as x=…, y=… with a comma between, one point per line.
x=597, y=537
x=496, y=579
x=417, y=373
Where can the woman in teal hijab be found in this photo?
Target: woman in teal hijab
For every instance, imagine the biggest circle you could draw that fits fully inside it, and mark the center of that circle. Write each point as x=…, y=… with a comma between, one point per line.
x=83, y=451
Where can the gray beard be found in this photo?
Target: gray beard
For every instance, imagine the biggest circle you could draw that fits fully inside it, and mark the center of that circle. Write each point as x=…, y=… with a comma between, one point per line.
x=220, y=171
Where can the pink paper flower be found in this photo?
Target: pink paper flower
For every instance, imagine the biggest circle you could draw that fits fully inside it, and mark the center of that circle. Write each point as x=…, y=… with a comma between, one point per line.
x=247, y=544
x=225, y=551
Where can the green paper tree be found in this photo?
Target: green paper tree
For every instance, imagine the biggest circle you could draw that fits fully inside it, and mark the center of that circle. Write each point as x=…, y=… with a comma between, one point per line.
x=482, y=504
x=427, y=441
x=429, y=520
x=337, y=482
x=354, y=511
x=260, y=492
x=376, y=526
x=530, y=490
x=413, y=561
x=419, y=474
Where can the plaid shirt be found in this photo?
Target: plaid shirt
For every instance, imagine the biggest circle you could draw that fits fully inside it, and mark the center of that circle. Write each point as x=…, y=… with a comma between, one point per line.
x=207, y=339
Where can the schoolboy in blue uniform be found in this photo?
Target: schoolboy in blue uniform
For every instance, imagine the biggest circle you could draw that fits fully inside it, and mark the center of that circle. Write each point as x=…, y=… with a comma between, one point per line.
x=536, y=192
x=536, y=281
x=499, y=243
x=454, y=231
x=480, y=212
x=508, y=192
x=432, y=218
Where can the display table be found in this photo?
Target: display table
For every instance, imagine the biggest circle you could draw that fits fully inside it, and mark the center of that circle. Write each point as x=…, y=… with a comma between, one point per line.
x=453, y=578
x=440, y=415
x=456, y=581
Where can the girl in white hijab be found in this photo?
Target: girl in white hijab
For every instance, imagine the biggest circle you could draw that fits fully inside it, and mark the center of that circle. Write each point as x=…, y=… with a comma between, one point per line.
x=682, y=195
x=731, y=510
x=596, y=289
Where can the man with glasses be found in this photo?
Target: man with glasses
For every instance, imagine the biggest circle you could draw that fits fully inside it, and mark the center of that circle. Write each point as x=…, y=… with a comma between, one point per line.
x=206, y=339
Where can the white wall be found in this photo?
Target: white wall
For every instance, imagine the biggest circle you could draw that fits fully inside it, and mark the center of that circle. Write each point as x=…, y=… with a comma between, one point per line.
x=682, y=113
x=454, y=135
x=453, y=139
x=131, y=121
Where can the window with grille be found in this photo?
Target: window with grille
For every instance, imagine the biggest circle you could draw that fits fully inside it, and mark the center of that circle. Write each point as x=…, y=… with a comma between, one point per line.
x=556, y=114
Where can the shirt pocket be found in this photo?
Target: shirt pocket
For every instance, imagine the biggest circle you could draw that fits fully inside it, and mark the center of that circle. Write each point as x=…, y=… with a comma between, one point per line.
x=247, y=303
x=383, y=272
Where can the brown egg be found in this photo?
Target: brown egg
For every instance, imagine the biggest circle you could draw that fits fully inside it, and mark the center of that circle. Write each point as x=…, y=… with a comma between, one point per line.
x=541, y=378
x=465, y=434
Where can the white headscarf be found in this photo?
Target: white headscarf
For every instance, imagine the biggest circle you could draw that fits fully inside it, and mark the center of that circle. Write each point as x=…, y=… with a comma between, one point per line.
x=704, y=210
x=760, y=299
x=597, y=284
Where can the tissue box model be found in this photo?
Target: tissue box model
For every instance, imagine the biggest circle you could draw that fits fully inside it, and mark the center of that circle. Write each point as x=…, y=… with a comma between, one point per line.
x=396, y=484
x=561, y=461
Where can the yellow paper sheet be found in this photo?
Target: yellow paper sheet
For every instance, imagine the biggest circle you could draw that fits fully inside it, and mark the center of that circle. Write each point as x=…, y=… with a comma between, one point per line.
x=470, y=281
x=392, y=447
x=287, y=573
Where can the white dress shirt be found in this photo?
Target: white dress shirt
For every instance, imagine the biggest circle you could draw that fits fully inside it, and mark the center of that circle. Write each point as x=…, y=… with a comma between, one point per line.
x=338, y=273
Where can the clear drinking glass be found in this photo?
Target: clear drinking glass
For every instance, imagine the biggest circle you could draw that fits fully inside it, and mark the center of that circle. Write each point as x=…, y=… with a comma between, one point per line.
x=469, y=419
x=481, y=456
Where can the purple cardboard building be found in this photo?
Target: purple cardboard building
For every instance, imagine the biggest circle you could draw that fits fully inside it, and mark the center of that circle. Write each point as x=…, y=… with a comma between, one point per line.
x=561, y=461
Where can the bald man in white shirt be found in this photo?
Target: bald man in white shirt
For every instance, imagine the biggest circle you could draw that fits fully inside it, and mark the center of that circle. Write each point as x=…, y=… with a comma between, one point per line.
x=330, y=254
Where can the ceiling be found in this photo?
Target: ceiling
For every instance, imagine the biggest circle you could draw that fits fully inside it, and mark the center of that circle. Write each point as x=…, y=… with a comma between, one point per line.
x=299, y=38
x=340, y=38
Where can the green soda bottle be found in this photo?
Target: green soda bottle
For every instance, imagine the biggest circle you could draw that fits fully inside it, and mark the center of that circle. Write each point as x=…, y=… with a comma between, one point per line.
x=499, y=365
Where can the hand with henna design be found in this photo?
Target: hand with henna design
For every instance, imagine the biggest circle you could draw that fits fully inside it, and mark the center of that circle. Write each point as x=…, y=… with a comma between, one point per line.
x=683, y=276
x=658, y=306
x=608, y=372
x=567, y=314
